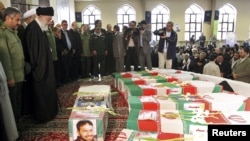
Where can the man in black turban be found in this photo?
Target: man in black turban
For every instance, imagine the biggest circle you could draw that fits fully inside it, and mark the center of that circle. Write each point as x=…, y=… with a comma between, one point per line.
x=46, y=11
x=45, y=104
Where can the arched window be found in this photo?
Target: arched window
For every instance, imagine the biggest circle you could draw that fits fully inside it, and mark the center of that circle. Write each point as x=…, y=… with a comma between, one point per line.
x=193, y=21
x=90, y=14
x=125, y=14
x=226, y=23
x=160, y=15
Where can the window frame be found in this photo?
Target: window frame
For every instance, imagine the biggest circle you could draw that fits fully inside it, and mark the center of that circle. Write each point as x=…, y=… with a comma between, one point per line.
x=223, y=22
x=125, y=14
x=157, y=22
x=197, y=32
x=90, y=22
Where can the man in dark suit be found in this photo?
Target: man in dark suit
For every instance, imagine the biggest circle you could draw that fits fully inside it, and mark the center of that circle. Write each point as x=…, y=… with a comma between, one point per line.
x=224, y=65
x=69, y=51
x=167, y=46
x=77, y=45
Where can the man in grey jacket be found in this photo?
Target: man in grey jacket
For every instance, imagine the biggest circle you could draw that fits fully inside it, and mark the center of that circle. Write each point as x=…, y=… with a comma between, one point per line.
x=144, y=47
x=119, y=49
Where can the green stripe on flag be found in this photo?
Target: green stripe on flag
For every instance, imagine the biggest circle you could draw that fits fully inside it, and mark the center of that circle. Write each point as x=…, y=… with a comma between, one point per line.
x=242, y=107
x=171, y=85
x=70, y=126
x=160, y=79
x=195, y=77
x=132, y=122
x=134, y=90
x=144, y=73
x=217, y=89
x=186, y=119
x=99, y=127
x=179, y=100
x=116, y=75
x=134, y=102
x=127, y=81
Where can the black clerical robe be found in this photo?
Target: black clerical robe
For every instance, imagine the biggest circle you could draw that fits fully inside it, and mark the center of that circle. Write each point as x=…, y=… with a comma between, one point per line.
x=45, y=100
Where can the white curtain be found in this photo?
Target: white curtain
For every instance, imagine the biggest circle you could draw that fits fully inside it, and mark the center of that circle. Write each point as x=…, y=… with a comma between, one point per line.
x=63, y=10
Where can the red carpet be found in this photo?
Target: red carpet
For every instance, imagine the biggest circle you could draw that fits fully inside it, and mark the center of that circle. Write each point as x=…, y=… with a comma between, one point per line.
x=57, y=129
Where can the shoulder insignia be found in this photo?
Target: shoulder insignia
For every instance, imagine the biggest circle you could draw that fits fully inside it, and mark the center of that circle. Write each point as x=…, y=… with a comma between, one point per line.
x=2, y=27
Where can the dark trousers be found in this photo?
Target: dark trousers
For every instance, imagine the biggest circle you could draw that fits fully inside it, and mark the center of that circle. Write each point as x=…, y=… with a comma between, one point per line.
x=66, y=62
x=99, y=60
x=15, y=93
x=131, y=59
x=85, y=66
x=110, y=64
x=75, y=67
x=57, y=73
x=3, y=134
x=27, y=93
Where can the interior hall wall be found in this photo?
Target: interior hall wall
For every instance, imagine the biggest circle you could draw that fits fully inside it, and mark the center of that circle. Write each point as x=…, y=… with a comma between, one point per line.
x=177, y=9
x=109, y=9
x=177, y=12
x=242, y=27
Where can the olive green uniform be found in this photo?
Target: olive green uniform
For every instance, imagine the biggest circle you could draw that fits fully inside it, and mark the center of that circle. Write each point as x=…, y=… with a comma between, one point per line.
x=12, y=59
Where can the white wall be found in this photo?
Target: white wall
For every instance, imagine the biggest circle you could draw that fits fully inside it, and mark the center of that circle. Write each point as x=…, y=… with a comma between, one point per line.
x=177, y=9
x=109, y=9
x=6, y=3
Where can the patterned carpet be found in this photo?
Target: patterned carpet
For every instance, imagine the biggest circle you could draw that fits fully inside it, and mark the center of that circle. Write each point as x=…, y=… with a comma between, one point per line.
x=57, y=129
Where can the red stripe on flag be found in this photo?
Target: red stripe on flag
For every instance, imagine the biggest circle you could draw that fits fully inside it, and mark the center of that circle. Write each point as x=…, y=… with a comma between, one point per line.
x=247, y=104
x=189, y=89
x=150, y=105
x=168, y=136
x=149, y=91
x=139, y=82
x=127, y=75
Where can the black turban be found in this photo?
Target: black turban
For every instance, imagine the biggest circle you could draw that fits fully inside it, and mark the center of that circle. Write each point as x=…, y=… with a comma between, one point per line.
x=46, y=11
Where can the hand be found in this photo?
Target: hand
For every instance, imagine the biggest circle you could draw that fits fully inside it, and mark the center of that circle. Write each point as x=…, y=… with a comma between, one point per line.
x=94, y=53
x=73, y=51
x=11, y=82
x=235, y=76
x=106, y=52
x=221, y=74
x=199, y=64
x=164, y=37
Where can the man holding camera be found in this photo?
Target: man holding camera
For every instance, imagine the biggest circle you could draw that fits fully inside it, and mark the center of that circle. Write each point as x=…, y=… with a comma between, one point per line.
x=144, y=46
x=131, y=43
x=167, y=45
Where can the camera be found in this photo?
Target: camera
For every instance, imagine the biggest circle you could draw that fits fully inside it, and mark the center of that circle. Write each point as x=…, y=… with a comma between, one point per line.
x=132, y=31
x=160, y=32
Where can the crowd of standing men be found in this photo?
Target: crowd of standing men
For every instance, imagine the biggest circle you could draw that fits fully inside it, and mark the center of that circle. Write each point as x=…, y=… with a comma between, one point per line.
x=37, y=57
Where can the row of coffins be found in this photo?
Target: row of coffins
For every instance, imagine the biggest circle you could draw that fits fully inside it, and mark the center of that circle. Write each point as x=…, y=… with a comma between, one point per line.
x=172, y=104
x=89, y=116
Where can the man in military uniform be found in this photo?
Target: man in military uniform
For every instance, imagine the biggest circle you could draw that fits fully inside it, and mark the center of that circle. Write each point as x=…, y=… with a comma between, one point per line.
x=12, y=58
